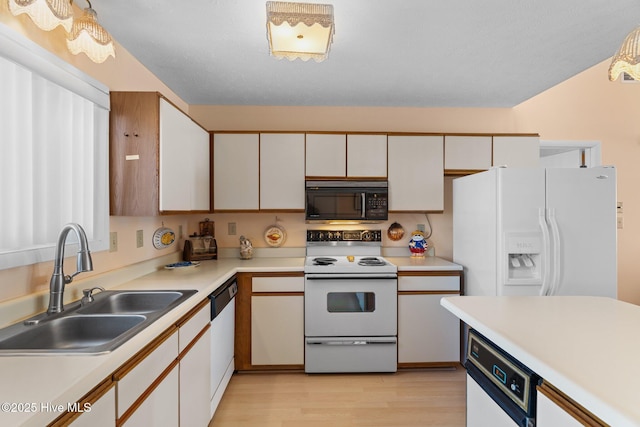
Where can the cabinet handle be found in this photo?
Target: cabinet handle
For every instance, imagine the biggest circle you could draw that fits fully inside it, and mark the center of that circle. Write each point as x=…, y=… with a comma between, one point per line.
x=134, y=134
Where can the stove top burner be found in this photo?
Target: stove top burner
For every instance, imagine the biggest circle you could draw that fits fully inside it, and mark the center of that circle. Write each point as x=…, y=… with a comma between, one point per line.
x=371, y=262
x=324, y=261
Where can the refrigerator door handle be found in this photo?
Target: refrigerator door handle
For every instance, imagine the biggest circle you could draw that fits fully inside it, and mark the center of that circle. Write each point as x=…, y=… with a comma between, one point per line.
x=546, y=248
x=555, y=281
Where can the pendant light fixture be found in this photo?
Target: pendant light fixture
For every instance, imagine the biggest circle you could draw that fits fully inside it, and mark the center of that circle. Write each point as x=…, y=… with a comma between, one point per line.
x=299, y=30
x=627, y=59
x=46, y=14
x=88, y=36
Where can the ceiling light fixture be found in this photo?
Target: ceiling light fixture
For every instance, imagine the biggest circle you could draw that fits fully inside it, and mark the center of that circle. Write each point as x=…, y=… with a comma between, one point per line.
x=46, y=14
x=299, y=30
x=88, y=36
x=627, y=59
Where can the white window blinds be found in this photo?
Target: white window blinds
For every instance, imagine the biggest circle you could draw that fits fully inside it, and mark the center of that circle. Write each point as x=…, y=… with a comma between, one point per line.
x=53, y=158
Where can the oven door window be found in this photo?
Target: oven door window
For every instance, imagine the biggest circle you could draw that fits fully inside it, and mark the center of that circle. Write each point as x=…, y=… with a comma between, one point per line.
x=351, y=302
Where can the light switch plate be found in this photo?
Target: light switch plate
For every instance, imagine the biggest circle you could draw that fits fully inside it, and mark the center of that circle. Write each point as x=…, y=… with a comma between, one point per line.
x=139, y=238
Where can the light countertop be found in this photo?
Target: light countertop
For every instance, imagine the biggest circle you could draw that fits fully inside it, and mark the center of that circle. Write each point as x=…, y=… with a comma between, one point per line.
x=427, y=263
x=584, y=346
x=47, y=381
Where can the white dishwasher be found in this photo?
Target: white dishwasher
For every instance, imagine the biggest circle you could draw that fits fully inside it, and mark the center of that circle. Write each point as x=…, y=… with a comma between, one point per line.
x=223, y=319
x=501, y=392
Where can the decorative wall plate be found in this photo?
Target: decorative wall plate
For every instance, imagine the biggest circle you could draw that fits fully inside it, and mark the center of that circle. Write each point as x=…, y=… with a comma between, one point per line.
x=163, y=237
x=275, y=236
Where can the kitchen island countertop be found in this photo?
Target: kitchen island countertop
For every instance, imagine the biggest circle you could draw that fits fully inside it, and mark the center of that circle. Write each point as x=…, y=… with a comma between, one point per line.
x=584, y=346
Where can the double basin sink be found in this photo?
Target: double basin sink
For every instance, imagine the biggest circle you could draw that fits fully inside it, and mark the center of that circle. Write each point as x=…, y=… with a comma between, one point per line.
x=100, y=326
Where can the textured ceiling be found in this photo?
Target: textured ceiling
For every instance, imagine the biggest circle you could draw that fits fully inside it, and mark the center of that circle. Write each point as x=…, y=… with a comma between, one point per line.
x=387, y=53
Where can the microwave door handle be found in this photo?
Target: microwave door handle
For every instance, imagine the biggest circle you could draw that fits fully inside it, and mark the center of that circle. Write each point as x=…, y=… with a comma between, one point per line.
x=363, y=213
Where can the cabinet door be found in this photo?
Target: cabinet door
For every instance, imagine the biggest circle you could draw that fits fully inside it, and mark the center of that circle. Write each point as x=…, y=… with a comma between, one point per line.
x=516, y=151
x=427, y=332
x=195, y=383
x=132, y=385
x=133, y=154
x=367, y=156
x=416, y=173
x=201, y=161
x=160, y=408
x=548, y=414
x=236, y=171
x=326, y=155
x=282, y=171
x=102, y=413
x=467, y=153
x=176, y=166
x=277, y=330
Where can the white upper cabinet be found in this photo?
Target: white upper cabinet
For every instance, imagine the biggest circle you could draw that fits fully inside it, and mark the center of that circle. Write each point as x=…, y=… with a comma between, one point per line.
x=282, y=171
x=326, y=155
x=416, y=173
x=236, y=171
x=467, y=153
x=517, y=151
x=367, y=156
x=184, y=161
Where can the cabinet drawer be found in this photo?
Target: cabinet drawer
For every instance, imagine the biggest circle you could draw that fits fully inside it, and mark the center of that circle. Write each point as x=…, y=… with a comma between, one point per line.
x=428, y=283
x=194, y=325
x=277, y=284
x=133, y=384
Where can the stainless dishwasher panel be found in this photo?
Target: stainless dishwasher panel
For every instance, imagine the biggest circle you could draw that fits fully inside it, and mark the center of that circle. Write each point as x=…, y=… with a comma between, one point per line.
x=350, y=354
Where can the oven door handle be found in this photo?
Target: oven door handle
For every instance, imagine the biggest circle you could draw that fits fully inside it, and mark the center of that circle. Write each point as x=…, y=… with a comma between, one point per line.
x=372, y=276
x=355, y=341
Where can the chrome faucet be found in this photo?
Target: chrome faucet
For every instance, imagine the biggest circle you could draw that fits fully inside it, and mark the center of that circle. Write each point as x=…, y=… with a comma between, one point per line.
x=58, y=278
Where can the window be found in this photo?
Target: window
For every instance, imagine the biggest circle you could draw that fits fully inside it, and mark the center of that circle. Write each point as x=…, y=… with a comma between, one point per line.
x=54, y=159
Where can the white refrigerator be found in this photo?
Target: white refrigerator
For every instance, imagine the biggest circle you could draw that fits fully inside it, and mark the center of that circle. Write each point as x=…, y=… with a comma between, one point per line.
x=537, y=231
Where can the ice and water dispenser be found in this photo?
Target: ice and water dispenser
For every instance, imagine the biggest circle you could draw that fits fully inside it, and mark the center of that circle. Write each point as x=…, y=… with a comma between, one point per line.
x=523, y=252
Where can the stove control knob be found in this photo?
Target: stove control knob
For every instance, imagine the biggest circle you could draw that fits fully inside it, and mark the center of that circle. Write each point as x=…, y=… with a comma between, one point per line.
x=366, y=236
x=321, y=236
x=330, y=235
x=337, y=235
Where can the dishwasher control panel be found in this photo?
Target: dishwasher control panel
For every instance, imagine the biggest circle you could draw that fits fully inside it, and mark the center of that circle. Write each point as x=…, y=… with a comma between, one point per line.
x=514, y=379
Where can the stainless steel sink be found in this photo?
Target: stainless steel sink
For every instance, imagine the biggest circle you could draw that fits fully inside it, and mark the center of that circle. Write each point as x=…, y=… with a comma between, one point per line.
x=130, y=302
x=73, y=333
x=92, y=328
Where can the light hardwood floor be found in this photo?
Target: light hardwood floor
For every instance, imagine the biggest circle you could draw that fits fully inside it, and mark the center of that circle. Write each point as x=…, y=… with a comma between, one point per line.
x=295, y=399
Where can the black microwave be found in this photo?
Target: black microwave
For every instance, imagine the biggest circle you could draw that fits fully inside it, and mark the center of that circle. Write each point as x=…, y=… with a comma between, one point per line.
x=359, y=201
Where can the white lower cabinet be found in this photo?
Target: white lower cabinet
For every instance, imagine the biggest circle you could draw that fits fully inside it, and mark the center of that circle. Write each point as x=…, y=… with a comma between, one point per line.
x=160, y=407
x=556, y=410
x=101, y=413
x=195, y=380
x=277, y=321
x=427, y=332
x=168, y=383
x=134, y=383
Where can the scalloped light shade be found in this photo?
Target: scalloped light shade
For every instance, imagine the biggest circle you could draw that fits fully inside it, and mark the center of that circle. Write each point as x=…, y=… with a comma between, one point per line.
x=89, y=37
x=299, y=30
x=627, y=59
x=46, y=14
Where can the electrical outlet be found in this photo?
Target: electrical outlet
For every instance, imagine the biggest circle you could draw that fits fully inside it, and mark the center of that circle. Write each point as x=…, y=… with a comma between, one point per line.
x=139, y=239
x=421, y=227
x=619, y=207
x=113, y=241
x=231, y=228
x=620, y=222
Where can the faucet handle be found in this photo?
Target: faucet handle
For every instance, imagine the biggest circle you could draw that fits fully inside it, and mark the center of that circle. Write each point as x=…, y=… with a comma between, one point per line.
x=87, y=294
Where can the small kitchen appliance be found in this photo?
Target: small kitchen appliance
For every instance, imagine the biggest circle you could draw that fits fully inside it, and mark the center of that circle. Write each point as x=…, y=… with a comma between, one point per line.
x=201, y=246
x=350, y=302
